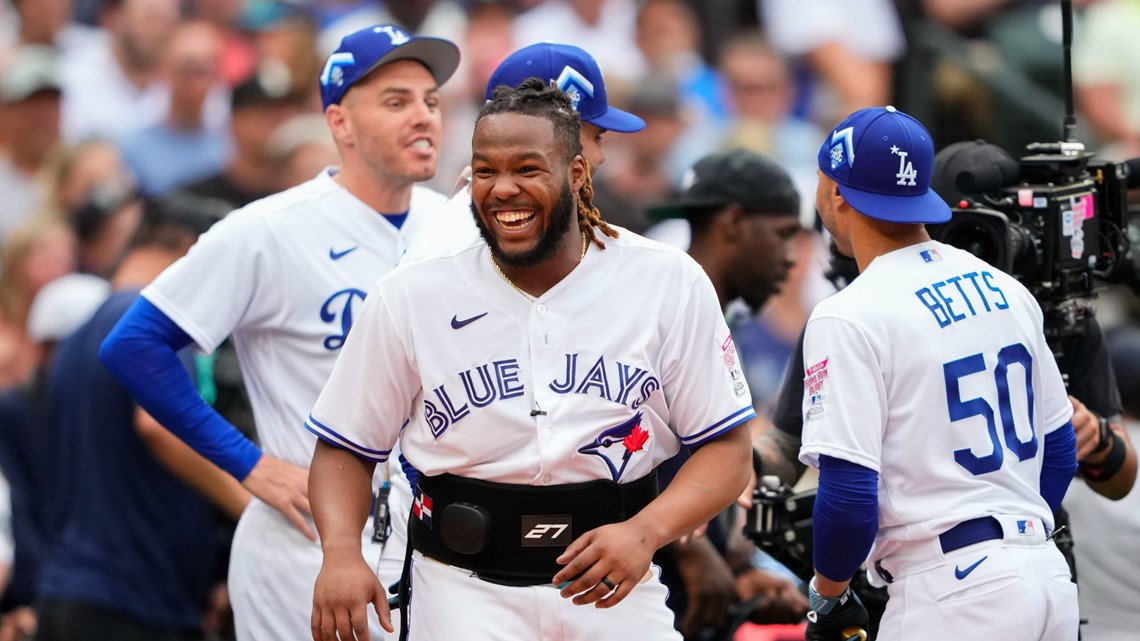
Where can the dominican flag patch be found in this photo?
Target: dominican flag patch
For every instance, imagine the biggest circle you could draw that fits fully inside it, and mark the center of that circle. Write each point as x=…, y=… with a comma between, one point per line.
x=421, y=508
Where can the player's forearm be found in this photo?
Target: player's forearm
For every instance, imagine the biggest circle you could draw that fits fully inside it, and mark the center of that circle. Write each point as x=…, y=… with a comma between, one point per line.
x=712, y=478
x=210, y=480
x=779, y=452
x=141, y=351
x=340, y=493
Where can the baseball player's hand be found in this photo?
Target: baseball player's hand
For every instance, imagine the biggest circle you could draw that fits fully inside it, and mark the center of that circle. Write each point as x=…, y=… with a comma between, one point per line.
x=782, y=603
x=344, y=588
x=620, y=553
x=1087, y=426
x=284, y=487
x=708, y=582
x=839, y=619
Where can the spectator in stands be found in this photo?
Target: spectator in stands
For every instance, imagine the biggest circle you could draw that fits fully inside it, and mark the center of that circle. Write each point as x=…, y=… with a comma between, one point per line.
x=112, y=86
x=29, y=131
x=37, y=253
x=180, y=148
x=847, y=46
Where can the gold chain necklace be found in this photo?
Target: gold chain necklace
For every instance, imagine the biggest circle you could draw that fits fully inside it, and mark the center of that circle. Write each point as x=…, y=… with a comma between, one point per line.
x=585, y=245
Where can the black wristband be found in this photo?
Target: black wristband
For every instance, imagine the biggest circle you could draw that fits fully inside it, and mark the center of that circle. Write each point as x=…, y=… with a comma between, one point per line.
x=1104, y=434
x=1106, y=469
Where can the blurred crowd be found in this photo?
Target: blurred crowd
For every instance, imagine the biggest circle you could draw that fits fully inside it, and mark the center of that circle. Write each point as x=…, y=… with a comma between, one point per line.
x=108, y=106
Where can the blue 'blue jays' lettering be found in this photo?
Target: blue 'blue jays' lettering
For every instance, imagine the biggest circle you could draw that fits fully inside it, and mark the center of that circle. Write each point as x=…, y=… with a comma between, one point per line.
x=597, y=381
x=482, y=385
x=339, y=305
x=949, y=300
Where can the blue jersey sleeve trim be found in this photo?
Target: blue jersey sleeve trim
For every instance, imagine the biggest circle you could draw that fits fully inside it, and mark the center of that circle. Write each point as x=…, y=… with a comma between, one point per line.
x=1058, y=465
x=142, y=352
x=845, y=518
x=721, y=426
x=333, y=438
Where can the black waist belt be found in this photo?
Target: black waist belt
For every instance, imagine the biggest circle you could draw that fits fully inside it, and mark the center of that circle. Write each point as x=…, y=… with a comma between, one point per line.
x=511, y=534
x=970, y=532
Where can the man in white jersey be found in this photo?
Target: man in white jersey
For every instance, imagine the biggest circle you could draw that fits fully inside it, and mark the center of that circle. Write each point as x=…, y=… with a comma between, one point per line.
x=535, y=378
x=572, y=70
x=935, y=413
x=286, y=276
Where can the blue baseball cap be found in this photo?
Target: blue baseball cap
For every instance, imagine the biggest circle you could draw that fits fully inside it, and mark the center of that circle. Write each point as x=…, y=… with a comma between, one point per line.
x=883, y=160
x=573, y=71
x=361, y=52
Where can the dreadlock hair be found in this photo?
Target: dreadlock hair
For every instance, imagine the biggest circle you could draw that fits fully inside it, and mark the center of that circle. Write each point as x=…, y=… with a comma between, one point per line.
x=533, y=97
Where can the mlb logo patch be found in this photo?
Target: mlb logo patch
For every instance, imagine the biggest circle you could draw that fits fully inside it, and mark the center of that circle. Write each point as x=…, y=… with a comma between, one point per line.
x=930, y=255
x=421, y=508
x=1025, y=527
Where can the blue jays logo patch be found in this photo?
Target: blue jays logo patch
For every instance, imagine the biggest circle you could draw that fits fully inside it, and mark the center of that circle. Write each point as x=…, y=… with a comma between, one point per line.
x=616, y=445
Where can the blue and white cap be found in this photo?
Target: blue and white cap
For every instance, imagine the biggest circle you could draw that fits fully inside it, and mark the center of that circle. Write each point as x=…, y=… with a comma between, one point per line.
x=361, y=52
x=883, y=160
x=573, y=71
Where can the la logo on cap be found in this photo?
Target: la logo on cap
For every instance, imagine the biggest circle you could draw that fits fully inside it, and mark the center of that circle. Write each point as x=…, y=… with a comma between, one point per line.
x=906, y=174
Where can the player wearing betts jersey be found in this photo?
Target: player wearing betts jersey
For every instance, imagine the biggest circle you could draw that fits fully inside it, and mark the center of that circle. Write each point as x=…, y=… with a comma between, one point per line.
x=934, y=411
x=286, y=276
x=537, y=412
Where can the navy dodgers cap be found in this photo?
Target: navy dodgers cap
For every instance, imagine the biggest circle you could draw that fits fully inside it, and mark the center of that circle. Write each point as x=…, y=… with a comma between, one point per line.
x=361, y=52
x=573, y=71
x=883, y=160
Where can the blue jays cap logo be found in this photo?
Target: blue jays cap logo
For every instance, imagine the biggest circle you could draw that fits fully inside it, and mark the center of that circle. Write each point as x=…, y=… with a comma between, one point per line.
x=616, y=445
x=574, y=84
x=842, y=149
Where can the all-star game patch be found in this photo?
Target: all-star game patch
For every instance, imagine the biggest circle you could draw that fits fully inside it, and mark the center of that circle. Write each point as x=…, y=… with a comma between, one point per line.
x=728, y=353
x=814, y=377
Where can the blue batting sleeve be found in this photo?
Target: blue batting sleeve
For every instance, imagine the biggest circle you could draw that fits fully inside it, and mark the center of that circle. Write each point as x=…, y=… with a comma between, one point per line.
x=141, y=351
x=1059, y=464
x=845, y=518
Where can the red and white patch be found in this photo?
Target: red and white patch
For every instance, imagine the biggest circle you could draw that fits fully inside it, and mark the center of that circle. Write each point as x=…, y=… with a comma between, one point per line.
x=814, y=377
x=728, y=352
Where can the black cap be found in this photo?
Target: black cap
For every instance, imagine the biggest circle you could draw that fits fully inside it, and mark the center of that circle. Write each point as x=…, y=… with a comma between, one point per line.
x=736, y=177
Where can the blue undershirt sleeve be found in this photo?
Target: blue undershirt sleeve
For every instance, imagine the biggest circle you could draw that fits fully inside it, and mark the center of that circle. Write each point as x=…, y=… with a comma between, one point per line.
x=845, y=518
x=141, y=351
x=1059, y=464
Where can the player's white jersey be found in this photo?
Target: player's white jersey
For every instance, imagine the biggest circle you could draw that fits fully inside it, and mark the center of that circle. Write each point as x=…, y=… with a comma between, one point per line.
x=931, y=368
x=603, y=377
x=446, y=230
x=286, y=276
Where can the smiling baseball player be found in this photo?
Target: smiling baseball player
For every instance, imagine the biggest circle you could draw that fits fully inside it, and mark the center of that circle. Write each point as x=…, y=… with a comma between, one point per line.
x=935, y=412
x=287, y=276
x=538, y=414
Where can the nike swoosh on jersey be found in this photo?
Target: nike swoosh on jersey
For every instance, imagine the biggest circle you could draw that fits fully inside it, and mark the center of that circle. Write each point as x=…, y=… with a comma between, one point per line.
x=458, y=324
x=335, y=255
x=961, y=574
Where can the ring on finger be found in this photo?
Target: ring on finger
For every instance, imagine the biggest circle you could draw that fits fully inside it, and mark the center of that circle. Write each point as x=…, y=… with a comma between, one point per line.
x=608, y=583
